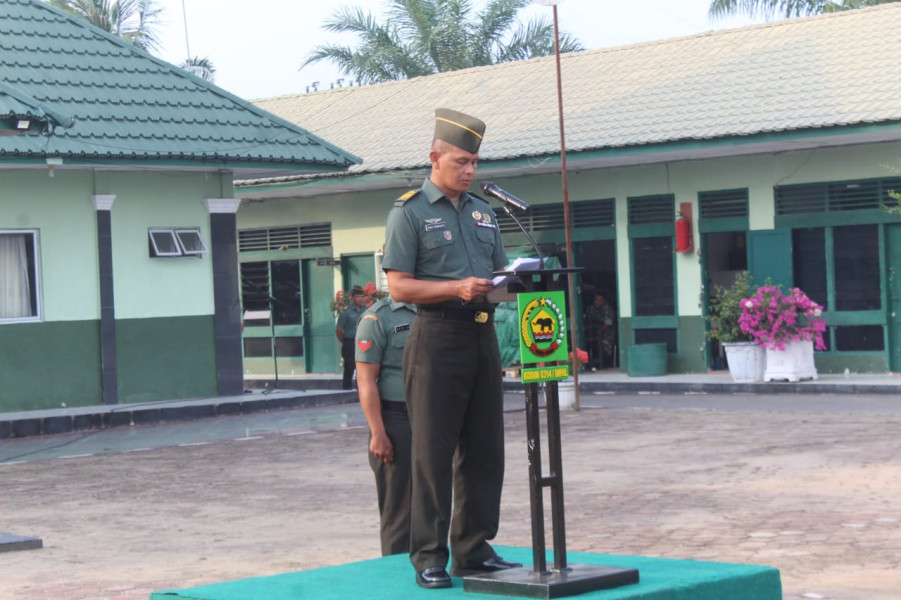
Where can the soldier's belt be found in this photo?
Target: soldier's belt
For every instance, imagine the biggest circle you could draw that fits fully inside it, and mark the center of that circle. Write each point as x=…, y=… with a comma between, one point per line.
x=456, y=314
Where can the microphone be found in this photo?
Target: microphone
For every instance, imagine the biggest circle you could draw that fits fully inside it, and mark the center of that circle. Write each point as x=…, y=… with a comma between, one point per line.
x=506, y=197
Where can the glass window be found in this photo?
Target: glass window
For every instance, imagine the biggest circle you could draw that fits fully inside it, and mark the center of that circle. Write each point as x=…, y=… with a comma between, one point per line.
x=809, y=254
x=857, y=279
x=166, y=241
x=653, y=272
x=19, y=292
x=861, y=338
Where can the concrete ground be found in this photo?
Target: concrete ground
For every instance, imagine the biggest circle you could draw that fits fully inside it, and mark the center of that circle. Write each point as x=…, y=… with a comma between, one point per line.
x=806, y=483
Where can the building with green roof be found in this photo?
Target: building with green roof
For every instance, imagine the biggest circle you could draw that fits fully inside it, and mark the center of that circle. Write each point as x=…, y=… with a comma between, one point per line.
x=118, y=261
x=781, y=141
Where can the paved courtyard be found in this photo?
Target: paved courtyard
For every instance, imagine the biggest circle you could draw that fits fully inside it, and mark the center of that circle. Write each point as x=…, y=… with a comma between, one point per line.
x=814, y=494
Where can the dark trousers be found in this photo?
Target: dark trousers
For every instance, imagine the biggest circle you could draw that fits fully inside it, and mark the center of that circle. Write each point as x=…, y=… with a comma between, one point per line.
x=394, y=485
x=452, y=381
x=347, y=353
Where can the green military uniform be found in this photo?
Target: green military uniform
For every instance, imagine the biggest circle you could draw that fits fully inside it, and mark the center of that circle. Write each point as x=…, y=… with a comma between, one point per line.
x=380, y=339
x=348, y=319
x=452, y=377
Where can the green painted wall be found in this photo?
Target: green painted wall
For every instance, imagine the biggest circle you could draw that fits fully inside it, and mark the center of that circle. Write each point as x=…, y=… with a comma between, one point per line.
x=46, y=365
x=166, y=358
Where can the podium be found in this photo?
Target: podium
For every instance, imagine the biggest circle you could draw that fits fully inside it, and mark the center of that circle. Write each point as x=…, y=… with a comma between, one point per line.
x=563, y=579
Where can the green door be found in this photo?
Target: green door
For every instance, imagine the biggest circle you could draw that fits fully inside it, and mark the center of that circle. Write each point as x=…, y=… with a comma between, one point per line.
x=357, y=269
x=320, y=345
x=770, y=256
x=893, y=265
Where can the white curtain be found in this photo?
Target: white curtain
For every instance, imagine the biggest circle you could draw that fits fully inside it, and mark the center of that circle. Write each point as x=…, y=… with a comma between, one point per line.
x=15, y=294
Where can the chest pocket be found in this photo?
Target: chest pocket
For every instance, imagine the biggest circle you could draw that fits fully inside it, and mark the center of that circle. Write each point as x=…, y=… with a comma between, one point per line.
x=435, y=239
x=485, y=235
x=394, y=352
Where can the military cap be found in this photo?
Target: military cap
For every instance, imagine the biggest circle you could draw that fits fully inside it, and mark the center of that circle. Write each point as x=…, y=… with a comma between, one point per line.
x=460, y=130
x=356, y=291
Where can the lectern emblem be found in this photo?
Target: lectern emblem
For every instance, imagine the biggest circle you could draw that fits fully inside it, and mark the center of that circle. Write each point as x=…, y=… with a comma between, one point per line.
x=542, y=326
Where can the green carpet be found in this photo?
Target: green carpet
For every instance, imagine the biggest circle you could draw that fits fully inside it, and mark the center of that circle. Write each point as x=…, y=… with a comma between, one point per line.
x=392, y=578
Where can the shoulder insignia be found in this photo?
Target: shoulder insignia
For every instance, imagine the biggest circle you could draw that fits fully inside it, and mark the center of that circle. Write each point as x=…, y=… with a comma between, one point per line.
x=370, y=317
x=404, y=197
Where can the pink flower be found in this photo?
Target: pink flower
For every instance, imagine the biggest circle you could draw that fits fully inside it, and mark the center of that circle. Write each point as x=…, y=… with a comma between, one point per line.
x=772, y=318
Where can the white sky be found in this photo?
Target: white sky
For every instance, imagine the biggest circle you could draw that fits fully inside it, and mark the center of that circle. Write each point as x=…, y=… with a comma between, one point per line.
x=257, y=46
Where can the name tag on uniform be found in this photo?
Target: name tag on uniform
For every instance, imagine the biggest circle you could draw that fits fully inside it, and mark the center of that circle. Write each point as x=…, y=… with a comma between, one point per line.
x=435, y=226
x=399, y=328
x=486, y=224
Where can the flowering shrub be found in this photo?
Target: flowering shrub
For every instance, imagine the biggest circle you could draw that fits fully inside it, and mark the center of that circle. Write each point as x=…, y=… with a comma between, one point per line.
x=772, y=318
x=580, y=359
x=725, y=310
x=342, y=299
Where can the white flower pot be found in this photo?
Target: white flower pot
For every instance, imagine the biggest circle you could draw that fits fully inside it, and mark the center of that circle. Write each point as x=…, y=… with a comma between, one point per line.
x=794, y=363
x=566, y=393
x=746, y=360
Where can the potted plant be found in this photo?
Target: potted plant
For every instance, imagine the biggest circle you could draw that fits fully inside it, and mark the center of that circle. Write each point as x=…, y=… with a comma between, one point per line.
x=744, y=357
x=788, y=326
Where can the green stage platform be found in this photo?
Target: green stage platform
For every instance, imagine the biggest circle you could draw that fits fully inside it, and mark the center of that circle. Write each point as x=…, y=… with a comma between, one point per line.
x=392, y=577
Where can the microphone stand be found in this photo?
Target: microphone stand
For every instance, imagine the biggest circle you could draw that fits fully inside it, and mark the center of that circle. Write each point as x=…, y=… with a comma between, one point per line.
x=272, y=302
x=522, y=228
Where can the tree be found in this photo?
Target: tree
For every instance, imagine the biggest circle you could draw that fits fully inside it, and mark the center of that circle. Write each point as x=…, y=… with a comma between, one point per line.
x=132, y=20
x=422, y=37
x=201, y=67
x=785, y=8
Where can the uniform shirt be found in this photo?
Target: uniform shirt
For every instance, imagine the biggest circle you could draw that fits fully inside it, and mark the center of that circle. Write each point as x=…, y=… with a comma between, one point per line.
x=381, y=335
x=349, y=319
x=429, y=239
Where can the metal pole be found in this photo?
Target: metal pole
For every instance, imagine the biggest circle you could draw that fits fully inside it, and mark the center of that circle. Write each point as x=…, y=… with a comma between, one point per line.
x=571, y=278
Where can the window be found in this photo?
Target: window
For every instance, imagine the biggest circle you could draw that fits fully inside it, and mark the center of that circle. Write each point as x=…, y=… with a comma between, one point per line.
x=273, y=286
x=19, y=291
x=653, y=276
x=167, y=241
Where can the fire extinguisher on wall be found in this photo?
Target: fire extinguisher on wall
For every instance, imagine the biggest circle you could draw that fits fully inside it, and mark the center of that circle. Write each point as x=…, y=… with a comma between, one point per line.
x=683, y=230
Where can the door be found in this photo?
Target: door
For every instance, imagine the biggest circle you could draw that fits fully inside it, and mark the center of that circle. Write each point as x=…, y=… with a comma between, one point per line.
x=320, y=345
x=770, y=257
x=893, y=278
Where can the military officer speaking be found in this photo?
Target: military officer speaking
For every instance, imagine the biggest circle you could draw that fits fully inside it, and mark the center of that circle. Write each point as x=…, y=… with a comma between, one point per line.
x=442, y=245
x=381, y=334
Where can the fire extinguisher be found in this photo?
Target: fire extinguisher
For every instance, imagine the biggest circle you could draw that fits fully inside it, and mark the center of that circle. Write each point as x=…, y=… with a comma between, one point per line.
x=683, y=233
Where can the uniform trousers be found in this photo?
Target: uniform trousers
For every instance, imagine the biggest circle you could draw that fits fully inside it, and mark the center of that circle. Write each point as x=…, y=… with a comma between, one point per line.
x=393, y=483
x=347, y=353
x=452, y=382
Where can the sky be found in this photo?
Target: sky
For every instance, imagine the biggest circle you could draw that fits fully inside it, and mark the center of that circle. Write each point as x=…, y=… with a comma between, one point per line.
x=257, y=46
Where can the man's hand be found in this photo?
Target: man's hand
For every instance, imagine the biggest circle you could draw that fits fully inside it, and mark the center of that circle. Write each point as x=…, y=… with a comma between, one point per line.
x=381, y=447
x=473, y=287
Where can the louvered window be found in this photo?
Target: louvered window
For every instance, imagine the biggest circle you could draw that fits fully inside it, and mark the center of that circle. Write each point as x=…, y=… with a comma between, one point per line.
x=724, y=204
x=285, y=238
x=651, y=209
x=549, y=217
x=872, y=194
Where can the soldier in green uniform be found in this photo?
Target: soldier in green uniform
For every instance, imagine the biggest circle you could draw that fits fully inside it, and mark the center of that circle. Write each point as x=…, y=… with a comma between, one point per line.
x=346, y=331
x=381, y=334
x=442, y=245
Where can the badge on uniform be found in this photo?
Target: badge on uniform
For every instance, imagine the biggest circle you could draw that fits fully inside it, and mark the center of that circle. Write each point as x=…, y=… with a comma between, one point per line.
x=364, y=345
x=448, y=236
x=435, y=224
x=476, y=215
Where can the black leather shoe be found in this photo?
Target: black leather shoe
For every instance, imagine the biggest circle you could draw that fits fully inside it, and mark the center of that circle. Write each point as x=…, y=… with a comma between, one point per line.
x=433, y=577
x=495, y=563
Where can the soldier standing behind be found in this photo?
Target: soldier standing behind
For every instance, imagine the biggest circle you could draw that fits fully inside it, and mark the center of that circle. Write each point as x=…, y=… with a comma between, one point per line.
x=381, y=334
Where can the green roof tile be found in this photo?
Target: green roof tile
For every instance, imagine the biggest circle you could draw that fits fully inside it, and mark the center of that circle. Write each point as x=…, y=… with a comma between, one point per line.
x=127, y=106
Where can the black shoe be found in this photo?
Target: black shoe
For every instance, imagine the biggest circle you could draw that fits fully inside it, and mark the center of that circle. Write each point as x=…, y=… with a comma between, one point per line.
x=433, y=577
x=495, y=563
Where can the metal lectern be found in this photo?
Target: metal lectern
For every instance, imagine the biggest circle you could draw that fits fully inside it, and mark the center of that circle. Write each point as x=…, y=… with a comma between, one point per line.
x=538, y=581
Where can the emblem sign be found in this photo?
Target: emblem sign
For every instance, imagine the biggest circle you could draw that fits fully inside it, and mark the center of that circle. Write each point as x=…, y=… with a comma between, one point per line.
x=543, y=335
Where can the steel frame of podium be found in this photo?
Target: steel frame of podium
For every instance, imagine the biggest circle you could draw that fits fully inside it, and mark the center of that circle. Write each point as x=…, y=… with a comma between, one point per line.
x=564, y=579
